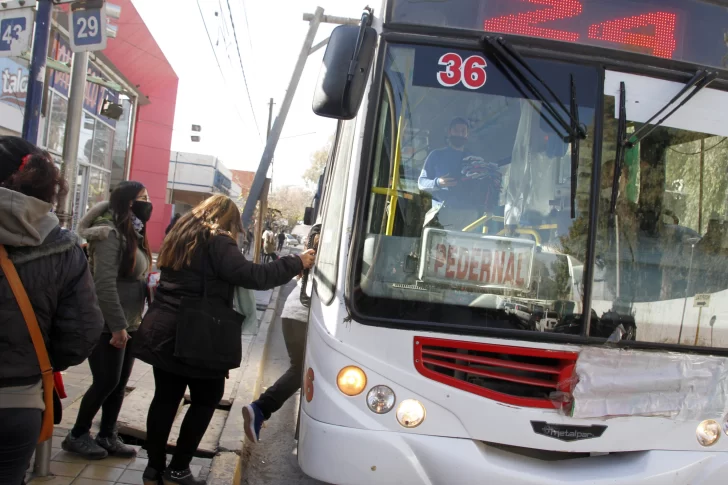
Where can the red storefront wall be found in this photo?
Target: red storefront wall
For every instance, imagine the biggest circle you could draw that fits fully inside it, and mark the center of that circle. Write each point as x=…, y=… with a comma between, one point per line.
x=136, y=54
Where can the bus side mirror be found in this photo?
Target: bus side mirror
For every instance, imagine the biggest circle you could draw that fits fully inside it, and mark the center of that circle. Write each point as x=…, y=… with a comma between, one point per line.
x=308, y=216
x=343, y=76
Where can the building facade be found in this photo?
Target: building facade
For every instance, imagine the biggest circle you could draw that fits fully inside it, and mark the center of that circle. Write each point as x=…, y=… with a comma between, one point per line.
x=134, y=147
x=244, y=179
x=194, y=177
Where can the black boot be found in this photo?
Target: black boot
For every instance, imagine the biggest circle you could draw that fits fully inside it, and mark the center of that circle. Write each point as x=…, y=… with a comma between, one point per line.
x=152, y=477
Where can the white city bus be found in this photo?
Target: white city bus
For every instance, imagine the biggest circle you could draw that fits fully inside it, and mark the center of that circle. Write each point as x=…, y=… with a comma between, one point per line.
x=565, y=158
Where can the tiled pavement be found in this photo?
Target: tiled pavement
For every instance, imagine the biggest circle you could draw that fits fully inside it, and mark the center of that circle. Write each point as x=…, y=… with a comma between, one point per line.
x=69, y=469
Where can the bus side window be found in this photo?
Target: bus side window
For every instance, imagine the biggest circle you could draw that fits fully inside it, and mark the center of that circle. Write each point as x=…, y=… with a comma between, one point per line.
x=326, y=268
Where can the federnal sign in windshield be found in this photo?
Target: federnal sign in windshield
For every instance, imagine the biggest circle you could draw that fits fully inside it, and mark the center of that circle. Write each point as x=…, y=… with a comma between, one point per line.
x=476, y=261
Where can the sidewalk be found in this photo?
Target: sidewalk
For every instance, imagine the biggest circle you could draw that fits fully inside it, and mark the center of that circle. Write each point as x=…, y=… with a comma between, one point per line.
x=68, y=469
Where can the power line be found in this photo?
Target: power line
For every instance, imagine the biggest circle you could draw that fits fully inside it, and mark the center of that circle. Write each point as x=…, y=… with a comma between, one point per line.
x=242, y=69
x=222, y=73
x=247, y=26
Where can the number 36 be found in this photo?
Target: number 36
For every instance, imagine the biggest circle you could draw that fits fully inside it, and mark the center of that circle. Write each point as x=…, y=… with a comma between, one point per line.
x=471, y=72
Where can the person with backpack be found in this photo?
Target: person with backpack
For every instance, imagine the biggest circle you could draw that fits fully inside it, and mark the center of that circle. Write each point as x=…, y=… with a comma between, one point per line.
x=294, y=321
x=120, y=261
x=53, y=274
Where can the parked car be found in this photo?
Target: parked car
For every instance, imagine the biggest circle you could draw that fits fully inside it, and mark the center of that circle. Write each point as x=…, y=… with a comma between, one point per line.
x=292, y=240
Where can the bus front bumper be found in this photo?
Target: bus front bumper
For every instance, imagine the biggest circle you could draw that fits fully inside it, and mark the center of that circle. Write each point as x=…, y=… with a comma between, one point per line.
x=349, y=456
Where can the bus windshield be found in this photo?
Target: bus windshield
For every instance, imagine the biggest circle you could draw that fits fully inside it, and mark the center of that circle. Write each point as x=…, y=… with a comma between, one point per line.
x=469, y=218
x=472, y=190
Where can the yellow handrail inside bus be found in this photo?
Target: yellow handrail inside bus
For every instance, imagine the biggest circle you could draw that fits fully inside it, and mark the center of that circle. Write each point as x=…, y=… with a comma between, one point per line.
x=391, y=193
x=393, y=197
x=483, y=220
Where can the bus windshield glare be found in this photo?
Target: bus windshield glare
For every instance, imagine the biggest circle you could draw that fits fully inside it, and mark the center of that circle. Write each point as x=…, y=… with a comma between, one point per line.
x=469, y=216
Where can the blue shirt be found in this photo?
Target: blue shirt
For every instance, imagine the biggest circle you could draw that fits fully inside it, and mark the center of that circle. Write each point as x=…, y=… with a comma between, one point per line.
x=473, y=194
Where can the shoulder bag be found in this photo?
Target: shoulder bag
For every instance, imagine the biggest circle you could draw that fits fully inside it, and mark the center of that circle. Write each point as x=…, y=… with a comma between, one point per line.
x=209, y=336
x=11, y=274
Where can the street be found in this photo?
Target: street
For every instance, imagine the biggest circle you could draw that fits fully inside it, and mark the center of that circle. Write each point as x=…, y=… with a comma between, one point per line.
x=273, y=460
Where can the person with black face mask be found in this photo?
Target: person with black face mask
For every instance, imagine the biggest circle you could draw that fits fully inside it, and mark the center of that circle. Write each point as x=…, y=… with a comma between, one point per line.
x=120, y=261
x=462, y=186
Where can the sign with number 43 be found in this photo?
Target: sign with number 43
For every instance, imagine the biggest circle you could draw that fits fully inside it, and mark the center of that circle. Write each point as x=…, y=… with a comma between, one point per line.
x=89, y=30
x=16, y=27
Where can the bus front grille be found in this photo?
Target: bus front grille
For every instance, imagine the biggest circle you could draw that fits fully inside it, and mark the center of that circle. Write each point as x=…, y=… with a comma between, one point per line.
x=520, y=376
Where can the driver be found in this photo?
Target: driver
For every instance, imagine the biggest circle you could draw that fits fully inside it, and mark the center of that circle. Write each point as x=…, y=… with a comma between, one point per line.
x=463, y=186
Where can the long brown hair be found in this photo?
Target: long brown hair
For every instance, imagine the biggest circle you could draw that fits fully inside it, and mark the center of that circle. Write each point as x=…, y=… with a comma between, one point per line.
x=216, y=215
x=119, y=203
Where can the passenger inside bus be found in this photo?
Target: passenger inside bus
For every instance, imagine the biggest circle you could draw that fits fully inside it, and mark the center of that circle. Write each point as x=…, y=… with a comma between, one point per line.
x=463, y=186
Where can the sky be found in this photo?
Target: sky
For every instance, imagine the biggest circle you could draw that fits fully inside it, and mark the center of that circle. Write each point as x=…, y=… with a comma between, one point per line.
x=270, y=34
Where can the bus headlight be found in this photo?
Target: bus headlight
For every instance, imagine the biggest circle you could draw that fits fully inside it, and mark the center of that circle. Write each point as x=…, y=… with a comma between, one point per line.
x=380, y=399
x=410, y=413
x=708, y=432
x=351, y=380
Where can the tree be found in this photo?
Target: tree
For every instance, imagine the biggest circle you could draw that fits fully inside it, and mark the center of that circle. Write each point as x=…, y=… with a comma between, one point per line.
x=318, y=163
x=290, y=202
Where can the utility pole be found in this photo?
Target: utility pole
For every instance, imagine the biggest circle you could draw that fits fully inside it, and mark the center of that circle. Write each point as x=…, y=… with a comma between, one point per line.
x=256, y=189
x=36, y=77
x=71, y=138
x=263, y=207
x=267, y=136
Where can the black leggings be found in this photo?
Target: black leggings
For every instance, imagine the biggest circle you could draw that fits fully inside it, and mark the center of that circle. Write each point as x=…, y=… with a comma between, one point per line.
x=110, y=368
x=205, y=394
x=19, y=432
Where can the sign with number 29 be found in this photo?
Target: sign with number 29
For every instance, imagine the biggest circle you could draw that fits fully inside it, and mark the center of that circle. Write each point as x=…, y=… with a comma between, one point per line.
x=89, y=30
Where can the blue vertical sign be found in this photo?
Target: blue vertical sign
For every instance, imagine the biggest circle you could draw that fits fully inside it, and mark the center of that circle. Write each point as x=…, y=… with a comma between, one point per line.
x=89, y=30
x=15, y=29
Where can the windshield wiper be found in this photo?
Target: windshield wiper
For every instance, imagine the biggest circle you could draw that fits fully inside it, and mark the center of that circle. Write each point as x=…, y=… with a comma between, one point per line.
x=621, y=141
x=510, y=58
x=575, y=146
x=699, y=81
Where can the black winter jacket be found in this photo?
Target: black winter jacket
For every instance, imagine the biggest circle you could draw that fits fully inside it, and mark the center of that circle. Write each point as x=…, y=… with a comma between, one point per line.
x=226, y=268
x=56, y=277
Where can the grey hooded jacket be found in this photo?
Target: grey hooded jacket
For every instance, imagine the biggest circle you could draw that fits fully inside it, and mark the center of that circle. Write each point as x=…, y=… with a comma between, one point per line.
x=55, y=274
x=121, y=298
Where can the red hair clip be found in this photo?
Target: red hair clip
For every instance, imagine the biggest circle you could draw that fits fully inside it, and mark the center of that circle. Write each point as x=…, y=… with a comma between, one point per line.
x=26, y=159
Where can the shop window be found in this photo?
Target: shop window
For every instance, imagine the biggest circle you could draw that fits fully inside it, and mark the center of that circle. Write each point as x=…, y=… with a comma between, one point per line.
x=86, y=139
x=102, y=143
x=98, y=187
x=57, y=123
x=120, y=147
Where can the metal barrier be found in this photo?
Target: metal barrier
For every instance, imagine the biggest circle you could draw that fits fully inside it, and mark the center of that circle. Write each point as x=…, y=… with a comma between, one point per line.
x=42, y=466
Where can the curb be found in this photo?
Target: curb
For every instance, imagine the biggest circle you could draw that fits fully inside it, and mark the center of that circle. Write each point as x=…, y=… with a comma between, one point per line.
x=226, y=465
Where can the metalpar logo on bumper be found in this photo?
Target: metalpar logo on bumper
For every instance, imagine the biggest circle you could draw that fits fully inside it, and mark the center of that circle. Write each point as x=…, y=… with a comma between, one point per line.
x=566, y=432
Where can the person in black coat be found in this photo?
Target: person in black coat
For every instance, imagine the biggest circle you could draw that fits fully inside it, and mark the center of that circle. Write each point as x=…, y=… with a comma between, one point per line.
x=203, y=242
x=55, y=274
